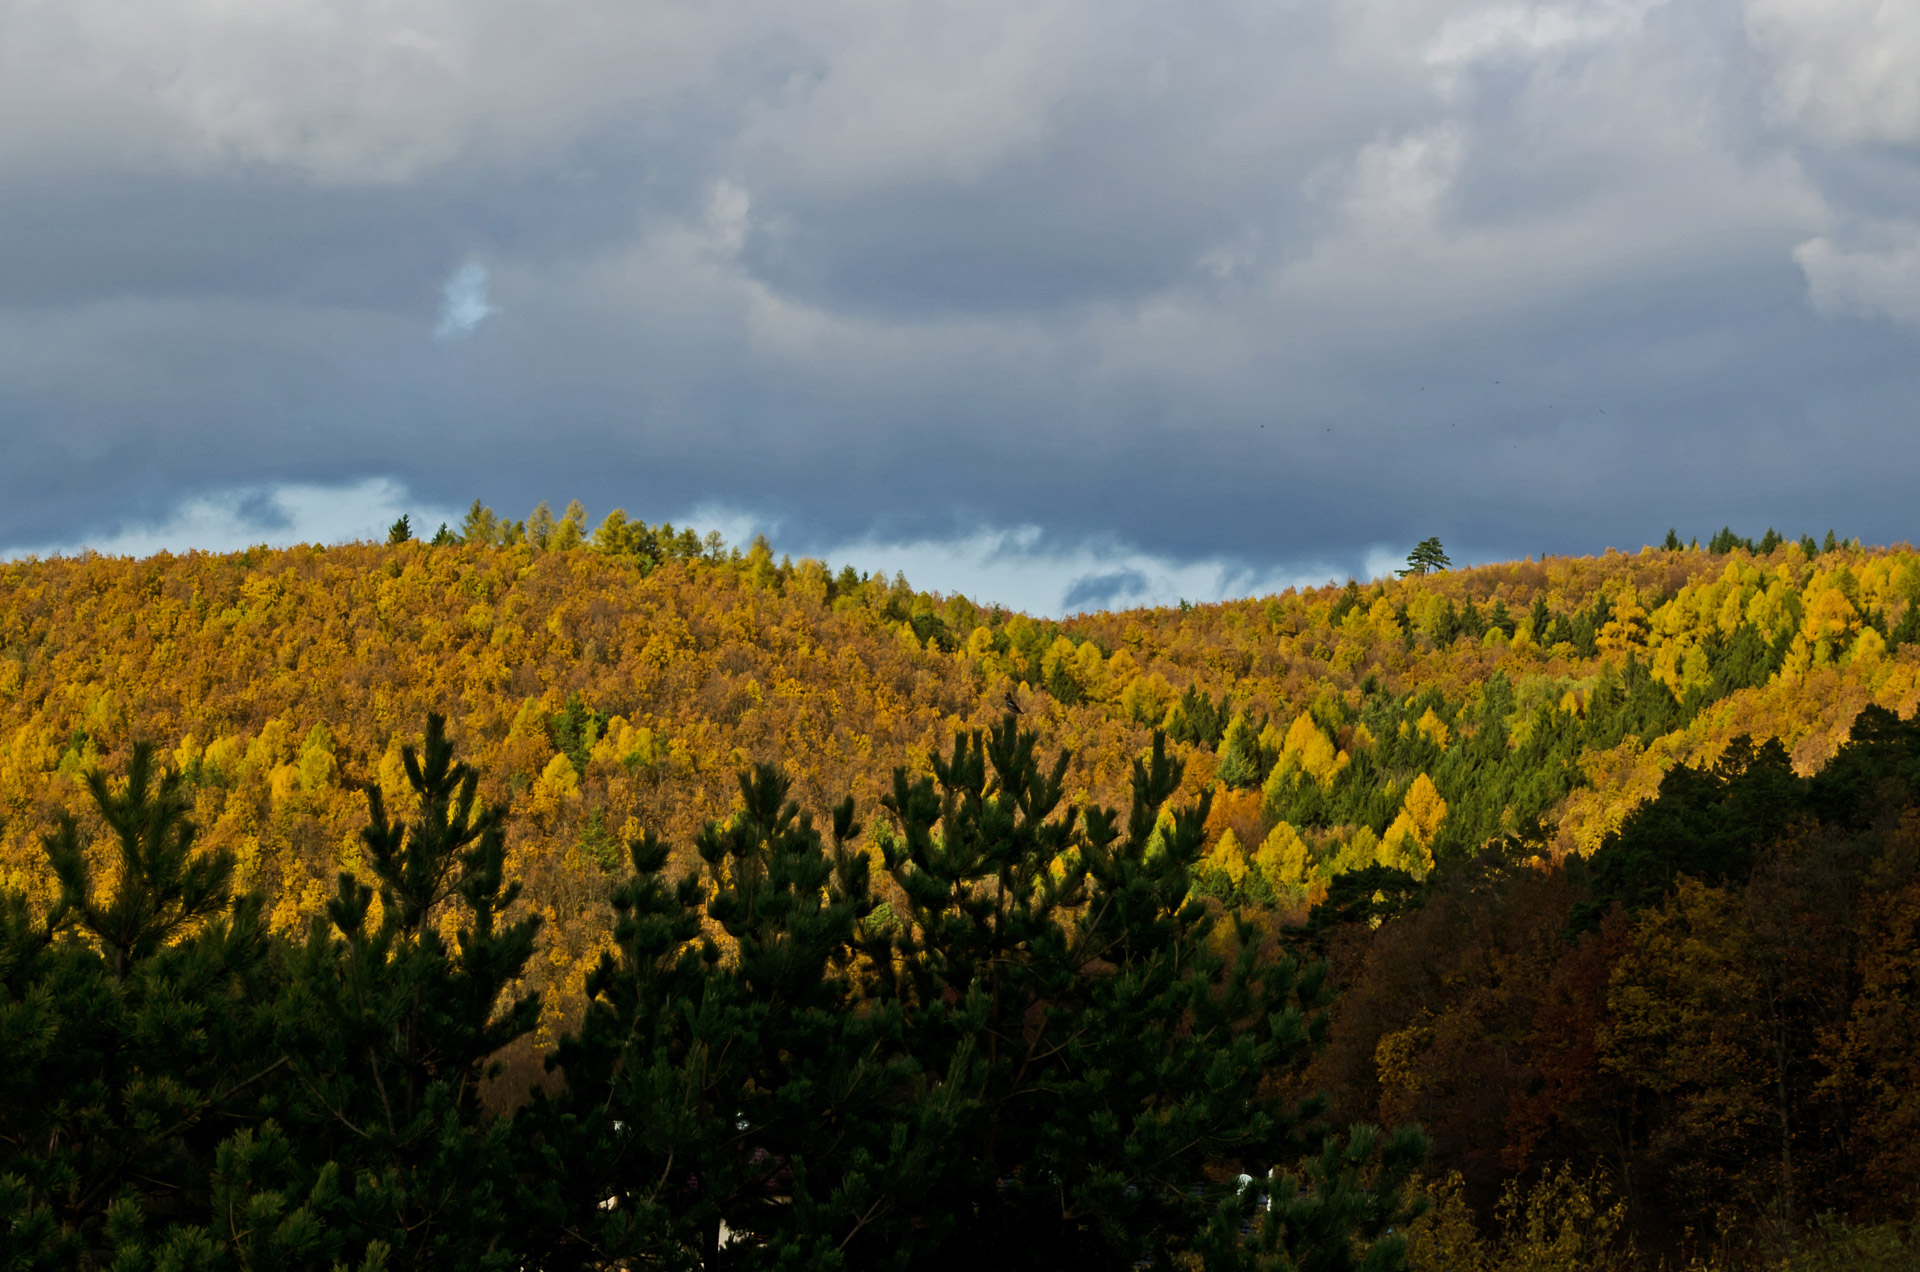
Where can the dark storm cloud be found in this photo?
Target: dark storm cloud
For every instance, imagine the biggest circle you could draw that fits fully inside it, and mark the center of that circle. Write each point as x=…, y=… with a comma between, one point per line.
x=1133, y=298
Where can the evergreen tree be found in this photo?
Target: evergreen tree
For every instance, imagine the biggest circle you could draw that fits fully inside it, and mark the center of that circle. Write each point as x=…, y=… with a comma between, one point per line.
x=1426, y=557
x=753, y=1091
x=1907, y=630
x=1241, y=766
x=131, y=1027
x=1033, y=1063
x=1542, y=620
x=1349, y=599
x=575, y=728
x=1672, y=542
x=1117, y=1046
x=390, y=1029
x=480, y=525
x=1197, y=719
x=400, y=531
x=1028, y=1066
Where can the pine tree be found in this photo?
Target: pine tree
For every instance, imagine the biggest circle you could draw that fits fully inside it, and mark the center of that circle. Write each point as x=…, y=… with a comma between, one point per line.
x=1426, y=557
x=1097, y=1171
x=1240, y=760
x=390, y=1029
x=130, y=1031
x=400, y=531
x=1026, y=1065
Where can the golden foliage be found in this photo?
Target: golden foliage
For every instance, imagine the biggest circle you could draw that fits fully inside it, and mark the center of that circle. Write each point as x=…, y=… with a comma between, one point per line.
x=1560, y=1223
x=1283, y=857
x=282, y=680
x=1227, y=857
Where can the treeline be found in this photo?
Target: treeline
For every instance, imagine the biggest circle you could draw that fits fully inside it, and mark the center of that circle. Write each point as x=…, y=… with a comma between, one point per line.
x=941, y=622
x=1725, y=540
x=1039, y=1058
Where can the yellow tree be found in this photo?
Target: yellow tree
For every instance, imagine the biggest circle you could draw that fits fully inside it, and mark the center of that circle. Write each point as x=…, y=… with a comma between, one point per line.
x=1408, y=842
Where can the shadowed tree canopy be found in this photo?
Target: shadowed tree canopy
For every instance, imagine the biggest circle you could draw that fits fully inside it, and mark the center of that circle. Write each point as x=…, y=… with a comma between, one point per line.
x=1030, y=1047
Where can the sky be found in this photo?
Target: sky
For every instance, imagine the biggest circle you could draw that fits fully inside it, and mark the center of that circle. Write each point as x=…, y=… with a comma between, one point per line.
x=1066, y=304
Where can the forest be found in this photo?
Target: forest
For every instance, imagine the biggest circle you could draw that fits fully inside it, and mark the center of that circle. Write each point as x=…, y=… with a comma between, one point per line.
x=1593, y=883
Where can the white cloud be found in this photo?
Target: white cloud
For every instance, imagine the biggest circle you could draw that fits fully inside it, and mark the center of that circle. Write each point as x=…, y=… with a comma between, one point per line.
x=1880, y=279
x=463, y=302
x=1400, y=187
x=1848, y=70
x=1023, y=569
x=342, y=93
x=278, y=515
x=1531, y=30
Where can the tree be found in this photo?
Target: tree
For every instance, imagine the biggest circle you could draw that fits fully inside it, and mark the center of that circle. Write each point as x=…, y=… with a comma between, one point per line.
x=1700, y=1029
x=540, y=525
x=1025, y=1060
x=1726, y=541
x=480, y=525
x=571, y=530
x=746, y=1091
x=1120, y=1042
x=1241, y=764
x=390, y=1028
x=1672, y=543
x=1197, y=719
x=1349, y=600
x=1426, y=557
x=401, y=530
x=129, y=1028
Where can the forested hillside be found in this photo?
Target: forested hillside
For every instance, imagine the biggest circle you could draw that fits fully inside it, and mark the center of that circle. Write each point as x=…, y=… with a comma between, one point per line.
x=1440, y=782
x=611, y=682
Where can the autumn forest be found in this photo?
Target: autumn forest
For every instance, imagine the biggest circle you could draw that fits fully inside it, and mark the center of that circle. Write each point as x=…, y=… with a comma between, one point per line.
x=1548, y=914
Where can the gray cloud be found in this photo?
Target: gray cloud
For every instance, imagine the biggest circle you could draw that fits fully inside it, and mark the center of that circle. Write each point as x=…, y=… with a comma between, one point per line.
x=463, y=302
x=1238, y=285
x=1100, y=591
